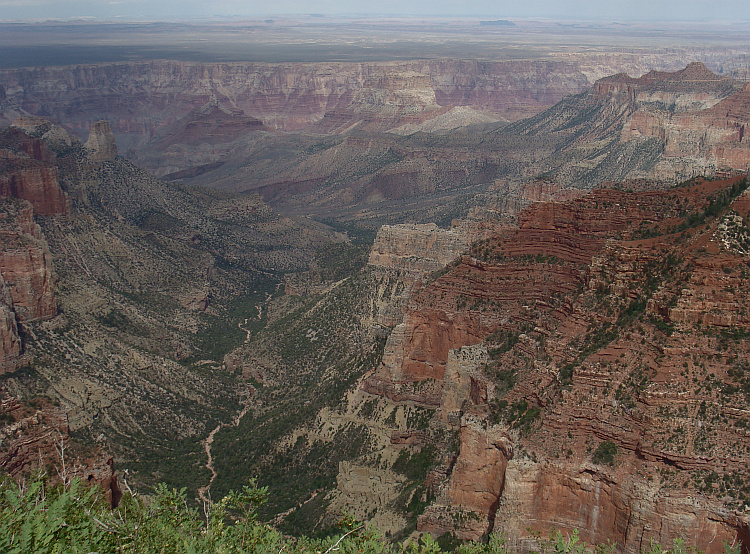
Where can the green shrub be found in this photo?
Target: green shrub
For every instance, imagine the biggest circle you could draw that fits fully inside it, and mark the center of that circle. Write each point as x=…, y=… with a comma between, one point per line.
x=605, y=453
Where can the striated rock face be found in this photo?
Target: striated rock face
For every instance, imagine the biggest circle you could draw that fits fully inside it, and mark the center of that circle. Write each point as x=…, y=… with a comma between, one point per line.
x=415, y=355
x=468, y=505
x=27, y=172
x=11, y=346
x=39, y=185
x=386, y=100
x=37, y=436
x=469, y=499
x=148, y=103
x=211, y=124
x=421, y=248
x=101, y=142
x=615, y=505
x=25, y=262
x=667, y=126
x=285, y=96
x=605, y=390
x=699, y=122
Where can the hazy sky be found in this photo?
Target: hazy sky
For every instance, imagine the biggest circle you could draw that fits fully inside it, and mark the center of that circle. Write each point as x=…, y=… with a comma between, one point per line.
x=664, y=10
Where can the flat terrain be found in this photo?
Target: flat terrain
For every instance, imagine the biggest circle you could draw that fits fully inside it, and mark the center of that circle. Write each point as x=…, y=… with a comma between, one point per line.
x=318, y=39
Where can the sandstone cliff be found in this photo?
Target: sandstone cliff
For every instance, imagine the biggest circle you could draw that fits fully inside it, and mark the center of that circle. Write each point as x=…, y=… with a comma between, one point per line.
x=25, y=262
x=26, y=277
x=593, y=398
x=101, y=142
x=36, y=433
x=27, y=171
x=143, y=100
x=663, y=126
x=666, y=126
x=418, y=248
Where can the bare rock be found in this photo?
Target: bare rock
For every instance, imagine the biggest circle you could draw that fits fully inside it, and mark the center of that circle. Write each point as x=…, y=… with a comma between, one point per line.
x=101, y=142
x=421, y=248
x=25, y=262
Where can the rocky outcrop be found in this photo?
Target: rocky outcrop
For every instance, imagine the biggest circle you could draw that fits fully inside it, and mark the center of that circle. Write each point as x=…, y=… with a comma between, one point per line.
x=621, y=506
x=386, y=100
x=468, y=505
x=604, y=391
x=36, y=437
x=420, y=248
x=468, y=500
x=101, y=143
x=11, y=346
x=27, y=171
x=25, y=262
x=39, y=184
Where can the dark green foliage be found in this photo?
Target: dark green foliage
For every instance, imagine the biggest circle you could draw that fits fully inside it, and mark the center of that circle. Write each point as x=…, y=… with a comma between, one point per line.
x=740, y=375
x=634, y=310
x=506, y=339
x=224, y=330
x=76, y=519
x=173, y=462
x=716, y=205
x=415, y=466
x=519, y=414
x=663, y=326
x=321, y=351
x=341, y=260
x=448, y=542
x=592, y=342
x=605, y=453
x=116, y=319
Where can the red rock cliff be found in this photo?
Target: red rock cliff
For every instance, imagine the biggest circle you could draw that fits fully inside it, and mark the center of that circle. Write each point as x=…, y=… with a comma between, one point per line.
x=25, y=262
x=613, y=395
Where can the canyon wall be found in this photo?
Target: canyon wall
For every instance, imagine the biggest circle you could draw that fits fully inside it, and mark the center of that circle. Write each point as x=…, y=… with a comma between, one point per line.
x=668, y=126
x=569, y=360
x=146, y=103
x=27, y=276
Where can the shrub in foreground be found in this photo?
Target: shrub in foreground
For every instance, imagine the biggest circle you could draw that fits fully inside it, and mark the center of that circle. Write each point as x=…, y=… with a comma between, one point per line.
x=37, y=516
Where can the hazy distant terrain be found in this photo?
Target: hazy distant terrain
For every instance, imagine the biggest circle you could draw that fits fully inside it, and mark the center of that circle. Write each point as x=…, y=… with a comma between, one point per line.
x=313, y=39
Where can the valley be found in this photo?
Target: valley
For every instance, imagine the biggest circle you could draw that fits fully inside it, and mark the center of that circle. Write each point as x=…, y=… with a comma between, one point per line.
x=453, y=295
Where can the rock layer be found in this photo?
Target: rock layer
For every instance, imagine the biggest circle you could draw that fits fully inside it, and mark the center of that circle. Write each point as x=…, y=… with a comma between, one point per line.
x=25, y=262
x=583, y=403
x=101, y=142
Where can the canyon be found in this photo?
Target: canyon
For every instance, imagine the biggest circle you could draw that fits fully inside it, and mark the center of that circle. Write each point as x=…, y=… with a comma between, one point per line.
x=549, y=377
x=115, y=295
x=227, y=125
x=443, y=296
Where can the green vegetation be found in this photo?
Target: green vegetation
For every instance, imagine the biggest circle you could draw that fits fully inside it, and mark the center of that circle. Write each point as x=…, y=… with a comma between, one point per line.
x=740, y=375
x=592, y=342
x=415, y=466
x=221, y=332
x=605, y=453
x=321, y=351
x=519, y=414
x=40, y=517
x=716, y=206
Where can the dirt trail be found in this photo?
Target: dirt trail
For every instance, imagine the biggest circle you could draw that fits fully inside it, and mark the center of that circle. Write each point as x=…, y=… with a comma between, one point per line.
x=259, y=307
x=203, y=492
